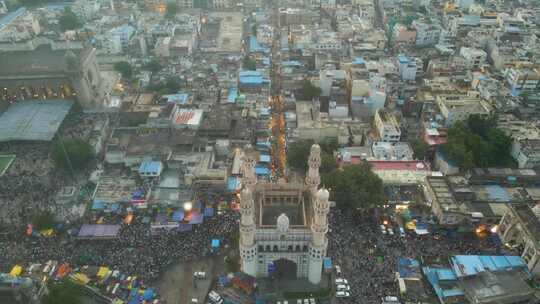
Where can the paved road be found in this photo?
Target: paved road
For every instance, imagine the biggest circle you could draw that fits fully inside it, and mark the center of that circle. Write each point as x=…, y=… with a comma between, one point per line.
x=177, y=286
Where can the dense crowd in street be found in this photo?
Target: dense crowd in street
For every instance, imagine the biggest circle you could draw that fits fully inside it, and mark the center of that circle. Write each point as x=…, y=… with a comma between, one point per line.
x=136, y=251
x=29, y=184
x=368, y=259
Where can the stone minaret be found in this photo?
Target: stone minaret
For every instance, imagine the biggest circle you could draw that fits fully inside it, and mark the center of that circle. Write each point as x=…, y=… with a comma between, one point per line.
x=319, y=243
x=314, y=161
x=248, y=250
x=248, y=168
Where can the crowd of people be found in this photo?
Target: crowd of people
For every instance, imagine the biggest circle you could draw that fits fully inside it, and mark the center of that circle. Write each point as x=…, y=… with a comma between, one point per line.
x=136, y=251
x=30, y=183
x=368, y=259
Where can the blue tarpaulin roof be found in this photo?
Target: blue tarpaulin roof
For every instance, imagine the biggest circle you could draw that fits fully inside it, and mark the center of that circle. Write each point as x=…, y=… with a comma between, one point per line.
x=262, y=171
x=233, y=93
x=290, y=63
x=468, y=265
x=359, y=61
x=178, y=216
x=497, y=193
x=215, y=243
x=233, y=183
x=98, y=205
x=115, y=207
x=264, y=158
x=7, y=19
x=148, y=294
x=180, y=98
x=442, y=291
x=254, y=45
x=408, y=268
x=208, y=211
x=150, y=167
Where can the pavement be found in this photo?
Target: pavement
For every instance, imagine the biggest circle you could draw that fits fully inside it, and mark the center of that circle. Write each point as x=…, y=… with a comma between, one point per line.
x=177, y=285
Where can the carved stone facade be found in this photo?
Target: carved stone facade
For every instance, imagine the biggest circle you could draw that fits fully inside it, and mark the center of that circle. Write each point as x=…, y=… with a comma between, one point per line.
x=283, y=225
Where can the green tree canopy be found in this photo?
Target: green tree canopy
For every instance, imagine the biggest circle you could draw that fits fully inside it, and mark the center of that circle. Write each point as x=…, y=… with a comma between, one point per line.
x=420, y=148
x=124, y=68
x=298, y=154
x=43, y=220
x=309, y=91
x=355, y=187
x=249, y=64
x=69, y=21
x=64, y=292
x=172, y=9
x=79, y=153
x=153, y=66
x=478, y=142
x=170, y=86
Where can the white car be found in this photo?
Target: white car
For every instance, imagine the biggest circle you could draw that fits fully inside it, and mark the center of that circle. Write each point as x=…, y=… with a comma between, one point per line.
x=383, y=229
x=390, y=231
x=342, y=287
x=306, y=301
x=311, y=301
x=342, y=294
x=342, y=281
x=199, y=274
x=298, y=301
x=338, y=270
x=401, y=232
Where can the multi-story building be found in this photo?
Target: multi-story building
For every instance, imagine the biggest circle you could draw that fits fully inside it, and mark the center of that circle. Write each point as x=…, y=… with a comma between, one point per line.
x=443, y=203
x=61, y=71
x=526, y=152
x=185, y=3
x=457, y=107
x=520, y=228
x=427, y=32
x=386, y=126
x=407, y=68
x=86, y=9
x=521, y=79
x=474, y=58
x=221, y=4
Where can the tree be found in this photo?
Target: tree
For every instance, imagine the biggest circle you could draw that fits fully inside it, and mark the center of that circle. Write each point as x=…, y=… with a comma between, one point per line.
x=172, y=9
x=153, y=66
x=355, y=187
x=72, y=153
x=69, y=21
x=477, y=142
x=419, y=148
x=309, y=91
x=64, y=292
x=124, y=68
x=249, y=64
x=43, y=220
x=298, y=154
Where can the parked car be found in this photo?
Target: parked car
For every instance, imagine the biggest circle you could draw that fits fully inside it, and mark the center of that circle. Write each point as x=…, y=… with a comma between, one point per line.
x=338, y=270
x=383, y=229
x=199, y=274
x=342, y=287
x=342, y=294
x=342, y=281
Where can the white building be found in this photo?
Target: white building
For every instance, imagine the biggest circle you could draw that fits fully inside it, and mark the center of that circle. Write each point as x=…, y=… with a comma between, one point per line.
x=117, y=39
x=426, y=33
x=407, y=68
x=86, y=9
x=387, y=126
x=474, y=58
x=221, y=4
x=526, y=152
x=283, y=226
x=522, y=79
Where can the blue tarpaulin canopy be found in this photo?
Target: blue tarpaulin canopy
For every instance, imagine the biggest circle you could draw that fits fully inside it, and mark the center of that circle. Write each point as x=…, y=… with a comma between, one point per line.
x=327, y=262
x=148, y=294
x=115, y=207
x=215, y=243
x=98, y=205
x=209, y=211
x=178, y=216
